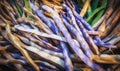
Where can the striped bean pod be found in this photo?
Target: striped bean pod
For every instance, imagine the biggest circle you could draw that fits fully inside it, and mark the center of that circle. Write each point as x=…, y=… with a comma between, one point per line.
x=42, y=34
x=38, y=21
x=76, y=26
x=52, y=59
x=69, y=12
x=43, y=43
x=68, y=63
x=69, y=39
x=88, y=38
x=41, y=48
x=97, y=40
x=79, y=37
x=47, y=51
x=43, y=17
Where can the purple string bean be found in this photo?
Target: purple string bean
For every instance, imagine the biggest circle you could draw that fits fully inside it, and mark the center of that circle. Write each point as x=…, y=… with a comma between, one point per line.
x=68, y=63
x=76, y=26
x=79, y=37
x=88, y=38
x=43, y=17
x=97, y=40
x=43, y=43
x=69, y=39
x=69, y=12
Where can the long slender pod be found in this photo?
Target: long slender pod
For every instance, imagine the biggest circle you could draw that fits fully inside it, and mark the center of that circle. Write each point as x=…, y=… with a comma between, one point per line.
x=79, y=37
x=69, y=39
x=97, y=40
x=68, y=62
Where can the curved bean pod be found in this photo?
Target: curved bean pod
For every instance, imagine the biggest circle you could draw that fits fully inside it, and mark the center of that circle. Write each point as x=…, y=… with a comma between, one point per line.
x=88, y=38
x=97, y=41
x=77, y=50
x=44, y=18
x=79, y=37
x=68, y=63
